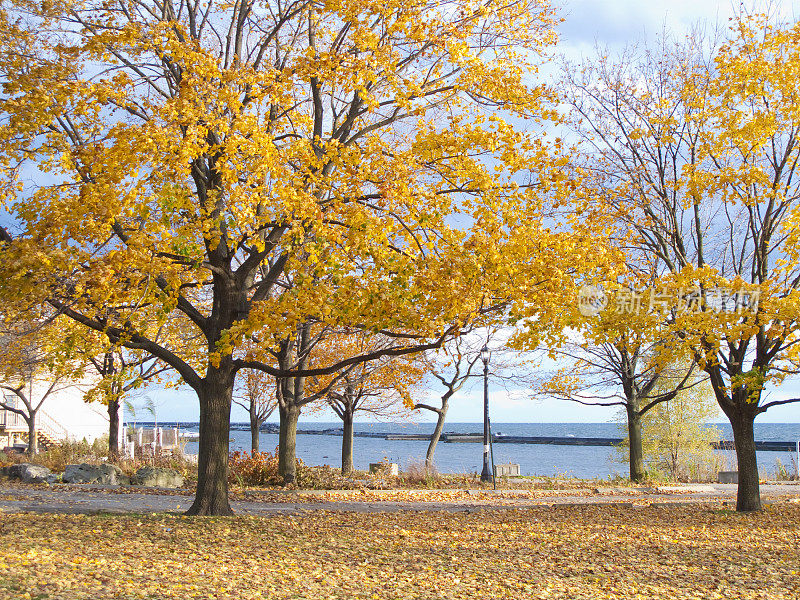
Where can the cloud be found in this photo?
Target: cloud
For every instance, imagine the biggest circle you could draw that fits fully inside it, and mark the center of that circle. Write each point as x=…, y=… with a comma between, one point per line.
x=616, y=23
x=589, y=21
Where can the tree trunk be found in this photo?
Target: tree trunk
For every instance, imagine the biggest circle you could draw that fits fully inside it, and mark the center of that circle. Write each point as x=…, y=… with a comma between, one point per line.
x=748, y=495
x=215, y=396
x=287, y=441
x=33, y=442
x=437, y=433
x=347, y=442
x=255, y=426
x=636, y=453
x=113, y=429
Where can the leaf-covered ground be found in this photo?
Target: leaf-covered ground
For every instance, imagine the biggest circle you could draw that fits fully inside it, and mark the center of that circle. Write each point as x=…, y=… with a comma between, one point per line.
x=556, y=552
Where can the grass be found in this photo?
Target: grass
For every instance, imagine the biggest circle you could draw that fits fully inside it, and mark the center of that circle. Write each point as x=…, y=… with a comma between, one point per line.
x=574, y=552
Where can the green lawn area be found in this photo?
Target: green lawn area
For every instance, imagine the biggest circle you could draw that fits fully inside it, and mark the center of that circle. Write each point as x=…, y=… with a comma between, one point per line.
x=560, y=552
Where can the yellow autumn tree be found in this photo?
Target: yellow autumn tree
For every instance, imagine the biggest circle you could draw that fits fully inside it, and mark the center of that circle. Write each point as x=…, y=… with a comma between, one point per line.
x=246, y=171
x=696, y=158
x=615, y=357
x=678, y=437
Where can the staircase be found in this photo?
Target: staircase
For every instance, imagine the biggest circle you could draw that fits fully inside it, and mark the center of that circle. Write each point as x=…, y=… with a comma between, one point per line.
x=44, y=441
x=48, y=431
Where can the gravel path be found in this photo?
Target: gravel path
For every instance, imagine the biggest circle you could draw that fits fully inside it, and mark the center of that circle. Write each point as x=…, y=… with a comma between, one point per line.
x=94, y=499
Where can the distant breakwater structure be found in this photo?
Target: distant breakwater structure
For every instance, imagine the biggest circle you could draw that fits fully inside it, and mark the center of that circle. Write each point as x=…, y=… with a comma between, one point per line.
x=767, y=446
x=497, y=438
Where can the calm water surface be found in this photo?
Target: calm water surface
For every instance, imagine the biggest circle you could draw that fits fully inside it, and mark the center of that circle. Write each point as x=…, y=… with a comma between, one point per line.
x=576, y=461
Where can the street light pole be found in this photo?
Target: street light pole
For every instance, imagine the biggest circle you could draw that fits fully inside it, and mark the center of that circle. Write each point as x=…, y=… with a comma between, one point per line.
x=486, y=474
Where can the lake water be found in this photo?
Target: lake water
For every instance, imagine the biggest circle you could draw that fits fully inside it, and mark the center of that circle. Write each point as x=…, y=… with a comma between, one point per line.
x=547, y=460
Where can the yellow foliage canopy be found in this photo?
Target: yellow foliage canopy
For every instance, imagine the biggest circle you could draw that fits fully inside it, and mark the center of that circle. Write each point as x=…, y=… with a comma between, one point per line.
x=239, y=169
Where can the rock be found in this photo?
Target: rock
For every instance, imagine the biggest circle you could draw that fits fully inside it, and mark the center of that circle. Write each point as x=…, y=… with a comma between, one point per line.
x=388, y=469
x=157, y=477
x=29, y=473
x=104, y=474
x=53, y=478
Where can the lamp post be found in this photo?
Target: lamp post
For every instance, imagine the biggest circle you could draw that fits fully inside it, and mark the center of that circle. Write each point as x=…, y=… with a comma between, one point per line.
x=486, y=473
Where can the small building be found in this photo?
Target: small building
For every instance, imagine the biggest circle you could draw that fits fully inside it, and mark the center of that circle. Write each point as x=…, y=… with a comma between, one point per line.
x=63, y=416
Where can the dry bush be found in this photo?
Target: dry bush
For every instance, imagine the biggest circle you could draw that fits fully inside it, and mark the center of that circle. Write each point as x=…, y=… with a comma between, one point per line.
x=325, y=477
x=785, y=472
x=257, y=469
x=261, y=469
x=175, y=460
x=421, y=474
x=12, y=458
x=70, y=452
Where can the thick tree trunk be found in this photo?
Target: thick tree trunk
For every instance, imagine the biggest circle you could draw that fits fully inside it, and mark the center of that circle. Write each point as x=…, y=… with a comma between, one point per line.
x=255, y=426
x=437, y=433
x=347, y=442
x=33, y=442
x=212, y=466
x=636, y=453
x=748, y=495
x=287, y=441
x=113, y=429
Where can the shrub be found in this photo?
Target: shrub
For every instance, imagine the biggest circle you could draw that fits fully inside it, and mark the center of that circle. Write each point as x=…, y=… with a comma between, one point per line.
x=420, y=473
x=784, y=473
x=323, y=477
x=260, y=468
x=69, y=452
x=12, y=458
x=175, y=460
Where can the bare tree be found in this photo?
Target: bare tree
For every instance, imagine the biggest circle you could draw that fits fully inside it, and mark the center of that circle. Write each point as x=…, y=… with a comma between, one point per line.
x=451, y=367
x=257, y=394
x=617, y=373
x=121, y=371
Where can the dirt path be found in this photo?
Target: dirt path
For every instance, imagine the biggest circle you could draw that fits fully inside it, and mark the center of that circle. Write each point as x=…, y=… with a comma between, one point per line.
x=93, y=499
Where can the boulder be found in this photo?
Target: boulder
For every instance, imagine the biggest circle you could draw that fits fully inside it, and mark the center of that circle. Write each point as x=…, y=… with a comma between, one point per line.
x=105, y=474
x=158, y=477
x=29, y=473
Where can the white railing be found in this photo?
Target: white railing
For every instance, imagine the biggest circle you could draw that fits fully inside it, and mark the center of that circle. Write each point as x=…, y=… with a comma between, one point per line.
x=50, y=427
x=14, y=422
x=9, y=420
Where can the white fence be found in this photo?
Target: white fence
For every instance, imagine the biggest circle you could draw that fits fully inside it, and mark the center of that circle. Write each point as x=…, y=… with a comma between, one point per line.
x=152, y=441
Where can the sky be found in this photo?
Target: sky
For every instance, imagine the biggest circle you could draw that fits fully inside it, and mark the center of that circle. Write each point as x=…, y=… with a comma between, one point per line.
x=605, y=23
